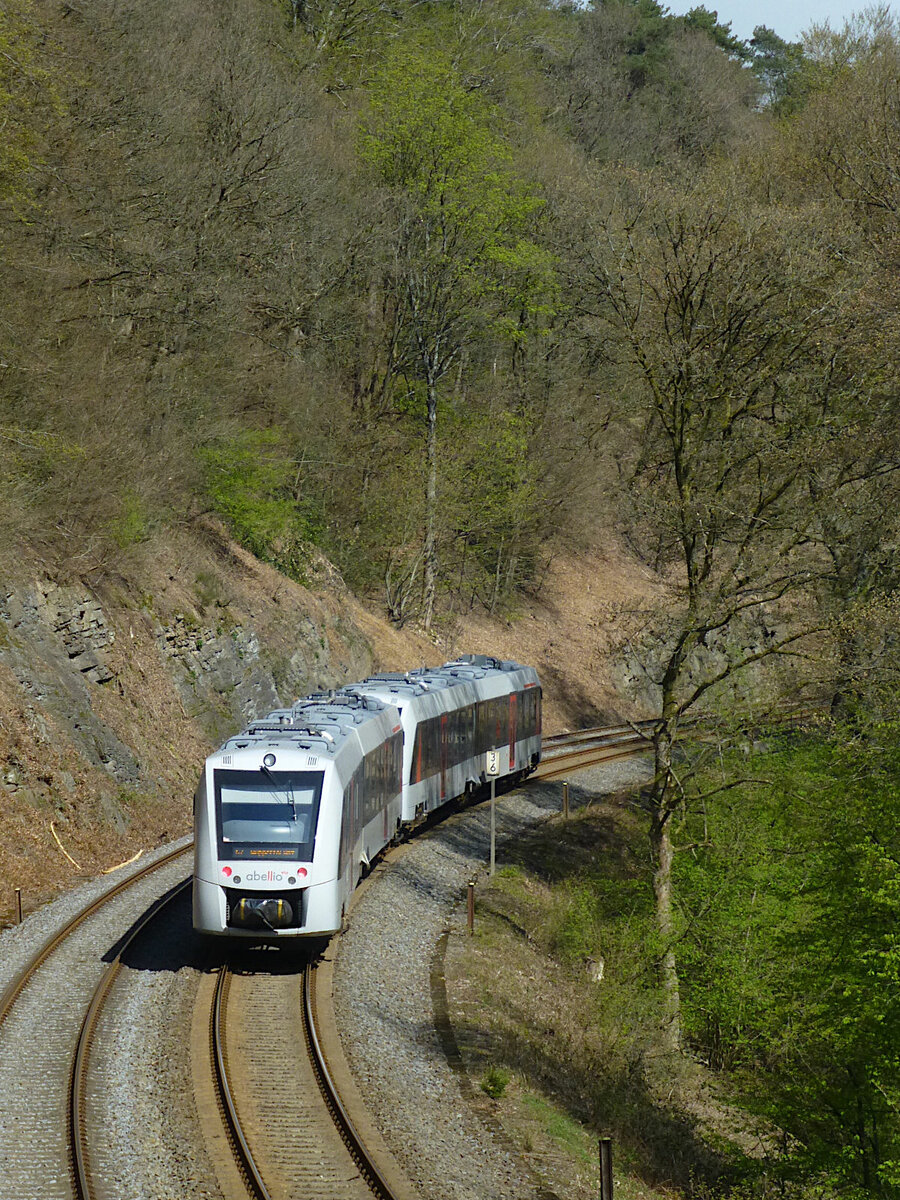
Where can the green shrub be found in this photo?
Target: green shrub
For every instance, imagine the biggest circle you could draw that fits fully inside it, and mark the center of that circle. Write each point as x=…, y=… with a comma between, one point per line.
x=494, y=1082
x=250, y=483
x=577, y=933
x=132, y=523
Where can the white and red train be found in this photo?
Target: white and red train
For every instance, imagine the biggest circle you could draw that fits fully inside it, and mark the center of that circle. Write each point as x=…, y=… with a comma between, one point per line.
x=289, y=813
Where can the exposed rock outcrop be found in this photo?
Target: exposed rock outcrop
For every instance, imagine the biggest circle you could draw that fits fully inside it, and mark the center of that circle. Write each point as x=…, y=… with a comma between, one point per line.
x=112, y=694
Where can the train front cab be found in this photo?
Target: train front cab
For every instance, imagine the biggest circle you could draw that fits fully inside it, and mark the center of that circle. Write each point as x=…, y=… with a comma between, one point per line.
x=261, y=873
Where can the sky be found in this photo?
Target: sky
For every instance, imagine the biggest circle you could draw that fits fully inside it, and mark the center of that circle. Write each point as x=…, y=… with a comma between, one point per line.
x=787, y=17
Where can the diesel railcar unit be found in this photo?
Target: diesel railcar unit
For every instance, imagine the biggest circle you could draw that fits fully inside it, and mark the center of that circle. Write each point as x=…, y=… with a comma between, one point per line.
x=290, y=812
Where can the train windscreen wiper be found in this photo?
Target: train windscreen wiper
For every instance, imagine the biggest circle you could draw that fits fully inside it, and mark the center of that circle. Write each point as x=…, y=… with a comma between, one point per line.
x=288, y=790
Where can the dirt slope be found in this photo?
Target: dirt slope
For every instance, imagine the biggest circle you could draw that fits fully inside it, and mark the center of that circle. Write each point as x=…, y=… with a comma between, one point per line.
x=113, y=691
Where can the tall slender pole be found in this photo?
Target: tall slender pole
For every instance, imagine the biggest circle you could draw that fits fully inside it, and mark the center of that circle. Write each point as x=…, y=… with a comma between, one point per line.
x=493, y=825
x=606, y=1171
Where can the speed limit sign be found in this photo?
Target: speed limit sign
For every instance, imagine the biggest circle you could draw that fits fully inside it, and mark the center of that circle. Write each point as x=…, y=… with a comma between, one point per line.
x=492, y=766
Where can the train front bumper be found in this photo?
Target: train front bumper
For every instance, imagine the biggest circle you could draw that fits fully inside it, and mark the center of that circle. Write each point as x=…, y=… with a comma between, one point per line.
x=232, y=912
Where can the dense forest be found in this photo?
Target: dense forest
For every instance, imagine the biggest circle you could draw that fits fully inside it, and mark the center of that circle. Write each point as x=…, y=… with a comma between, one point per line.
x=430, y=287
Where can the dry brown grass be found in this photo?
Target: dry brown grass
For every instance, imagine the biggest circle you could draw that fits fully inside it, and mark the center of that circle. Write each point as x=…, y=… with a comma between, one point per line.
x=569, y=633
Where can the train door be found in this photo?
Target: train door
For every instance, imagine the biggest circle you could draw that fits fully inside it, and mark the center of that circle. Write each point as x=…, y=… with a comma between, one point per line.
x=354, y=807
x=512, y=731
x=443, y=756
x=417, y=753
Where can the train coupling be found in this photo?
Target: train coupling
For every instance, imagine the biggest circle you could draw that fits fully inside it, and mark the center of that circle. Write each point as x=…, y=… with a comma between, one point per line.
x=263, y=912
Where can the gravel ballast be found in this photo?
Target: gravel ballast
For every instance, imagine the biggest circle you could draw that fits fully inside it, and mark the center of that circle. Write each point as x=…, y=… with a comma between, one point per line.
x=142, y=1094
x=383, y=996
x=144, y=1132
x=40, y=1033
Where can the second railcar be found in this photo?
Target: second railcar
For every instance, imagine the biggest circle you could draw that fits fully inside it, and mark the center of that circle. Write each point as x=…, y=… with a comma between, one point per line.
x=452, y=716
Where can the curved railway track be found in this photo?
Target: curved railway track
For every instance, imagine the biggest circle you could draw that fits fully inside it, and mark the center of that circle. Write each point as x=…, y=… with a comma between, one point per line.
x=18, y=985
x=567, y=752
x=263, y=1017
x=79, y=1097
x=51, y=1134
x=272, y=1077
x=291, y=1135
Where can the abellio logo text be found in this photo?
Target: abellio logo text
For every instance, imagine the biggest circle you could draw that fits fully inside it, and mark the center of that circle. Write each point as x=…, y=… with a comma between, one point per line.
x=268, y=876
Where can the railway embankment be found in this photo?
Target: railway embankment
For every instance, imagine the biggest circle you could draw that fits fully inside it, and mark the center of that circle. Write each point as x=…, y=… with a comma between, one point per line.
x=556, y=1019
x=115, y=686
x=390, y=991
x=144, y=1128
x=112, y=692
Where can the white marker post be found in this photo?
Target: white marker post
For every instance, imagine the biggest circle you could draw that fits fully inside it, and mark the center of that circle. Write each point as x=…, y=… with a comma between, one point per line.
x=492, y=770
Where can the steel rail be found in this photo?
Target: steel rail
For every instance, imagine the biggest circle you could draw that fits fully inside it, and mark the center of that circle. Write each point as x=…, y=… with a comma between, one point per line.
x=585, y=746
x=77, y=1104
x=556, y=771
x=352, y=1139
x=596, y=731
x=17, y=986
x=224, y=1094
x=575, y=752
x=781, y=714
x=563, y=752
x=243, y=1153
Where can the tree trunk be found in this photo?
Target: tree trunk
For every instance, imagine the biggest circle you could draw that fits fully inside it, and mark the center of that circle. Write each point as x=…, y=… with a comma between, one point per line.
x=661, y=849
x=662, y=853
x=430, y=564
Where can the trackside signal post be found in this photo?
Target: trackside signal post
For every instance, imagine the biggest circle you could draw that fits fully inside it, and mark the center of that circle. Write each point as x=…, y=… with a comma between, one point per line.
x=492, y=770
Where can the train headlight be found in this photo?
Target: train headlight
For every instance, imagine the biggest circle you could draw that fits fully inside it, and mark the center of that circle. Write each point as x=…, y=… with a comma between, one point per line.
x=269, y=760
x=237, y=879
x=292, y=880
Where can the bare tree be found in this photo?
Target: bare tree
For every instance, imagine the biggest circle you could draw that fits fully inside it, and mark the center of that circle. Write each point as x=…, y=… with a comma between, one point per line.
x=712, y=317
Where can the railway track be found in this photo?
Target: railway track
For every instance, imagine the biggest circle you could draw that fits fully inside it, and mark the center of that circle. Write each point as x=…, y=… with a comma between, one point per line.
x=287, y=1125
x=564, y=752
x=25, y=976
x=567, y=752
x=79, y=1093
x=272, y=1076
x=284, y=1118
x=49, y=1014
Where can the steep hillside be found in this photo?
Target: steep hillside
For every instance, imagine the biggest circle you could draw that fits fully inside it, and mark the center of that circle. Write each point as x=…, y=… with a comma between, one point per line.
x=111, y=696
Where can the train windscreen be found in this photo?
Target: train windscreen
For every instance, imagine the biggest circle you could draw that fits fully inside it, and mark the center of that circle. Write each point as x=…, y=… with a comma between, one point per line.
x=267, y=814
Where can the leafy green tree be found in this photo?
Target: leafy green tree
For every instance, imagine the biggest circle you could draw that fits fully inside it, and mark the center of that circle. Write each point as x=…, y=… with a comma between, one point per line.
x=791, y=952
x=495, y=508
x=646, y=47
x=462, y=261
x=707, y=21
x=779, y=67
x=251, y=483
